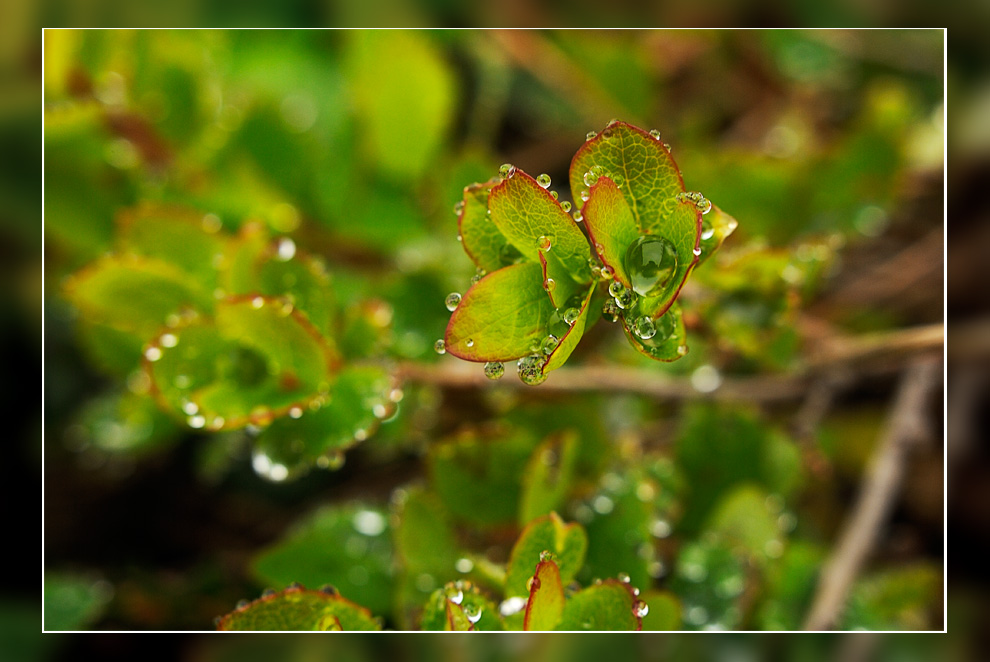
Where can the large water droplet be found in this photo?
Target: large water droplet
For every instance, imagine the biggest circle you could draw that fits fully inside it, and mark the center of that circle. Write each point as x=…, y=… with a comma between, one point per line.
x=645, y=328
x=640, y=608
x=452, y=300
x=543, y=180
x=610, y=311
x=507, y=170
x=590, y=135
x=650, y=262
x=565, y=205
x=530, y=370
x=578, y=216
x=571, y=315
x=549, y=344
x=655, y=134
x=494, y=370
x=544, y=243
x=440, y=347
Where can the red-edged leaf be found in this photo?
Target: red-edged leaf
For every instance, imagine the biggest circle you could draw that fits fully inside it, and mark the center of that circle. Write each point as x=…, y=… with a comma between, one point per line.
x=546, y=598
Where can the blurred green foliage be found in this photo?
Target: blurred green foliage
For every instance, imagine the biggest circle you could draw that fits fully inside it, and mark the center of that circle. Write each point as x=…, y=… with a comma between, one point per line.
x=230, y=216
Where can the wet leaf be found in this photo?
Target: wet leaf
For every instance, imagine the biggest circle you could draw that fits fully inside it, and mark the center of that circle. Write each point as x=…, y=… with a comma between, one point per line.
x=502, y=316
x=183, y=237
x=425, y=546
x=347, y=546
x=298, y=609
x=529, y=217
x=135, y=294
x=716, y=226
x=572, y=336
x=710, y=580
x=669, y=341
x=650, y=176
x=546, y=598
x=256, y=362
x=747, y=520
x=567, y=542
x=316, y=432
x=460, y=605
x=605, y=606
x=611, y=226
x=664, y=611
x=483, y=242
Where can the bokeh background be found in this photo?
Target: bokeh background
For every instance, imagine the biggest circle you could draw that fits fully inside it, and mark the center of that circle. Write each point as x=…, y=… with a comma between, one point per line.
x=826, y=135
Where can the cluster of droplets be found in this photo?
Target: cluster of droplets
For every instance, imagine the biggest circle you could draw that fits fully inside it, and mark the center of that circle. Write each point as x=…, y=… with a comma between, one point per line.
x=703, y=204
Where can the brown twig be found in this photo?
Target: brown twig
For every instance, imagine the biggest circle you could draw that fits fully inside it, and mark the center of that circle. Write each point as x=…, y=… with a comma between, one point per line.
x=907, y=427
x=860, y=355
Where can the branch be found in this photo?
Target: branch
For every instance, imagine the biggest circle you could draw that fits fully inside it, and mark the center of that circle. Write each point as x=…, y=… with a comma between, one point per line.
x=860, y=355
x=906, y=429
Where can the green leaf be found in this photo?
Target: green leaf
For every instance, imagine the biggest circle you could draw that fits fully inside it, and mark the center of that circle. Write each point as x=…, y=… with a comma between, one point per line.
x=531, y=218
x=572, y=336
x=183, y=237
x=258, y=361
x=648, y=172
x=664, y=611
x=73, y=602
x=298, y=609
x=716, y=226
x=744, y=520
x=503, y=316
x=611, y=226
x=897, y=599
x=124, y=422
x=549, y=475
x=546, y=598
x=477, y=476
x=619, y=535
x=135, y=294
x=320, y=431
x=567, y=542
x=459, y=605
x=425, y=546
x=710, y=579
x=404, y=94
x=346, y=546
x=605, y=606
x=790, y=585
x=483, y=242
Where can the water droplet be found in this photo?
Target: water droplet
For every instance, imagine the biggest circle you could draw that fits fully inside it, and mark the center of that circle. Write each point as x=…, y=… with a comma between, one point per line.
x=549, y=344
x=190, y=408
x=512, y=606
x=651, y=262
x=472, y=612
x=707, y=231
x=706, y=379
x=242, y=604
x=666, y=146
x=368, y=522
x=469, y=342
x=530, y=370
x=566, y=206
x=295, y=412
x=590, y=135
x=645, y=328
x=571, y=315
x=452, y=300
x=626, y=300
x=701, y=203
x=329, y=589
x=602, y=504
x=550, y=285
x=168, y=340
x=640, y=608
x=616, y=289
x=554, y=195
x=607, y=272
x=578, y=216
x=585, y=195
x=196, y=421
x=440, y=347
x=610, y=311
x=458, y=207
x=257, y=303
x=533, y=584
x=544, y=243
x=682, y=350
x=655, y=134
x=619, y=180
x=286, y=249
x=547, y=555
x=153, y=353
x=624, y=577
x=543, y=180
x=494, y=370
x=456, y=596
x=660, y=528
x=590, y=179
x=607, y=133
x=507, y=170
